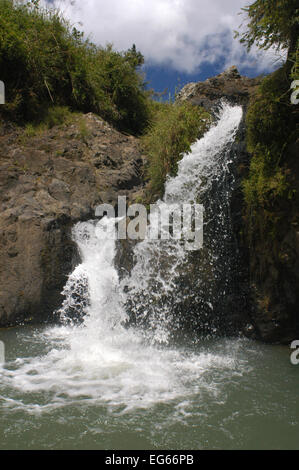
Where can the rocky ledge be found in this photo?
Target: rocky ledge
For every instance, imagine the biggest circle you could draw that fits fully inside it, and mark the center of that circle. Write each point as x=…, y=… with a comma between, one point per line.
x=229, y=85
x=48, y=182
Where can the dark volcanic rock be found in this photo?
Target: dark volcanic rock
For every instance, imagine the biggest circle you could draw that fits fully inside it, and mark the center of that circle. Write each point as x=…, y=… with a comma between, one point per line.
x=48, y=182
x=229, y=85
x=235, y=89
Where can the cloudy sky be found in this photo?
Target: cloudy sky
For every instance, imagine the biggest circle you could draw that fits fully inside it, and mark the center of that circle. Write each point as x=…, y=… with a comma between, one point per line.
x=186, y=40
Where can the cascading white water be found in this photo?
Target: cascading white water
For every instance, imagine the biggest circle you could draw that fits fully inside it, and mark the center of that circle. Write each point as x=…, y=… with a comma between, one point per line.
x=154, y=284
x=103, y=359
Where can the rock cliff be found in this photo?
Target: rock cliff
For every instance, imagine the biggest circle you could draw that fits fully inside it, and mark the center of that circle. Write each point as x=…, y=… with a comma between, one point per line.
x=229, y=85
x=48, y=182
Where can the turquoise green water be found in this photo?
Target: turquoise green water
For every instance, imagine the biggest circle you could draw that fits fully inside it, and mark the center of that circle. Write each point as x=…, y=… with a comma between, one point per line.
x=218, y=394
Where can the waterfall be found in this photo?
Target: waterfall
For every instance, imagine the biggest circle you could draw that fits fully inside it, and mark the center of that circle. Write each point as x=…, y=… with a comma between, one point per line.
x=120, y=355
x=168, y=286
x=122, y=370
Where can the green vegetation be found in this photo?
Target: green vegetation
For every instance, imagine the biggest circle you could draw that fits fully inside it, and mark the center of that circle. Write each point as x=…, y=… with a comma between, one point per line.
x=294, y=60
x=56, y=116
x=46, y=63
x=271, y=127
x=52, y=74
x=53, y=116
x=271, y=118
x=173, y=129
x=272, y=23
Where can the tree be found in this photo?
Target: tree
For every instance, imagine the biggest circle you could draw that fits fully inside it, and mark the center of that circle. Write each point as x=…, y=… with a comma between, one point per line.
x=272, y=23
x=134, y=57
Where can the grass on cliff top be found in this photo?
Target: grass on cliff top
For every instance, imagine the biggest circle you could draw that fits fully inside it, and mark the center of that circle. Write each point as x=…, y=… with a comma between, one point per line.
x=173, y=129
x=46, y=62
x=56, y=116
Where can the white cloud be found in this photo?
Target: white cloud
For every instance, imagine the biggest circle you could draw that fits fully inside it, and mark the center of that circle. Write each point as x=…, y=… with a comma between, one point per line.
x=181, y=33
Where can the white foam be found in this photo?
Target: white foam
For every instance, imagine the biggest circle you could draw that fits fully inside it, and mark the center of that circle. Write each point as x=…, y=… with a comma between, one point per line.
x=103, y=361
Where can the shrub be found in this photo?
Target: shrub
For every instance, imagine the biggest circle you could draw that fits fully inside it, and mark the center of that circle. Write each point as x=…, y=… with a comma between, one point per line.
x=294, y=58
x=44, y=62
x=271, y=127
x=173, y=129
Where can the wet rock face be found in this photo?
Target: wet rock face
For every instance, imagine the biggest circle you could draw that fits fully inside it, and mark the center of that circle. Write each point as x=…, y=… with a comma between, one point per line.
x=229, y=84
x=48, y=182
x=273, y=285
x=275, y=267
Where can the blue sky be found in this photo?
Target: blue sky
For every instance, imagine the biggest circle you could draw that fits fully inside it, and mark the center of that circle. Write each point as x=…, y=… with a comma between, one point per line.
x=163, y=78
x=182, y=40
